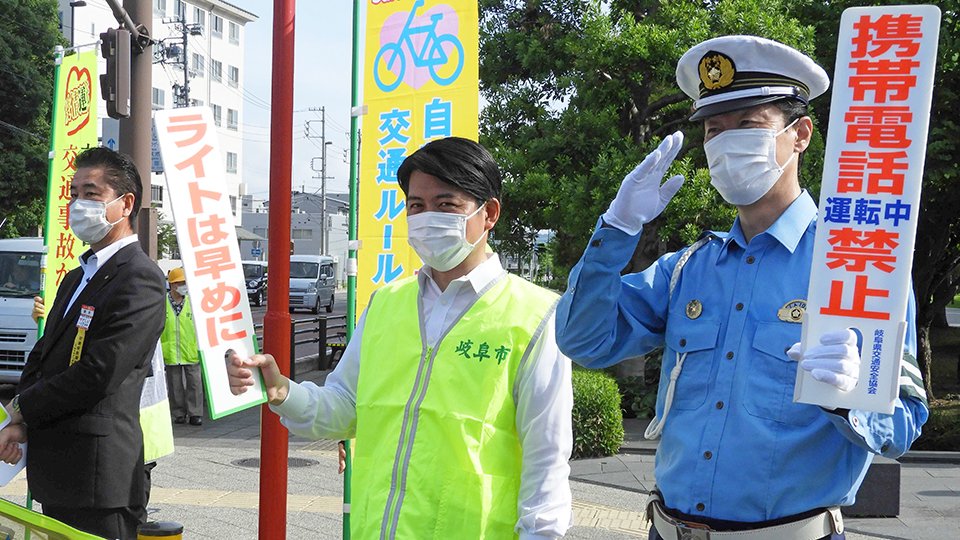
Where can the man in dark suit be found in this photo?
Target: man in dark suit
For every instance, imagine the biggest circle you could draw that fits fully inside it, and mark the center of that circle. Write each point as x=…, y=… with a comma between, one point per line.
x=79, y=395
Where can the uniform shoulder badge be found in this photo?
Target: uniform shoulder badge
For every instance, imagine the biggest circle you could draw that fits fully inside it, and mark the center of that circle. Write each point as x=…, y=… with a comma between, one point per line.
x=792, y=311
x=716, y=70
x=694, y=309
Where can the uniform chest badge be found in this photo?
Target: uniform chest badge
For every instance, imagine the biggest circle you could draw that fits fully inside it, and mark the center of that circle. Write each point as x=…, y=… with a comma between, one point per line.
x=694, y=309
x=792, y=311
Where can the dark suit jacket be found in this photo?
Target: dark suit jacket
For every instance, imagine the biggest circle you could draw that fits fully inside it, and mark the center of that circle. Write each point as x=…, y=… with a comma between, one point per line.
x=85, y=447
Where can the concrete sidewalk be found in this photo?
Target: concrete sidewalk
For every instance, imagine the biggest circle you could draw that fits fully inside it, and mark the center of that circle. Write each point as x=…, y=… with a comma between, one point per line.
x=929, y=489
x=211, y=485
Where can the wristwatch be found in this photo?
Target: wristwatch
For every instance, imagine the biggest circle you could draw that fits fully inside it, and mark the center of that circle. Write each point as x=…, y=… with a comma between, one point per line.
x=15, y=403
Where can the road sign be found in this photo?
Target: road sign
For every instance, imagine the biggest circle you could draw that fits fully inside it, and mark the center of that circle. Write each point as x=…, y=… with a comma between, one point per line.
x=111, y=133
x=256, y=252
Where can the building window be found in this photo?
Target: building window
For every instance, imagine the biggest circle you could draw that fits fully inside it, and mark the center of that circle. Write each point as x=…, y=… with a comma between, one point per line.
x=198, y=62
x=233, y=76
x=156, y=195
x=217, y=114
x=200, y=17
x=233, y=119
x=216, y=22
x=216, y=70
x=232, y=162
x=157, y=98
x=234, y=33
x=233, y=204
x=302, y=234
x=160, y=8
x=179, y=9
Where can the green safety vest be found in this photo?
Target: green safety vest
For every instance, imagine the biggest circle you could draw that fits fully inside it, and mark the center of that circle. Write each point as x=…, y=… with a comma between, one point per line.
x=155, y=413
x=179, y=338
x=437, y=452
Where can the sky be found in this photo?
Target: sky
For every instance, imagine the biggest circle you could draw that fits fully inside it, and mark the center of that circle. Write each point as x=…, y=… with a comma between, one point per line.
x=321, y=79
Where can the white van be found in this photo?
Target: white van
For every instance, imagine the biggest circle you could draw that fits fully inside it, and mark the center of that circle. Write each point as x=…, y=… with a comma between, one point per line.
x=20, y=260
x=312, y=282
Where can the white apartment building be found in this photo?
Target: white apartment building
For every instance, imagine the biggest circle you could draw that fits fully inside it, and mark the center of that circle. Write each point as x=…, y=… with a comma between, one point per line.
x=213, y=31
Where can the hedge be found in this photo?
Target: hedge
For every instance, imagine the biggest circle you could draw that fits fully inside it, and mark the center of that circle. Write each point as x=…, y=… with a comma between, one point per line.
x=597, y=418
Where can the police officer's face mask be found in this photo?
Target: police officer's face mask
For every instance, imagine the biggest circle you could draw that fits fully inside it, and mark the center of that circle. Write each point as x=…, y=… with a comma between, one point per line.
x=743, y=163
x=88, y=219
x=440, y=238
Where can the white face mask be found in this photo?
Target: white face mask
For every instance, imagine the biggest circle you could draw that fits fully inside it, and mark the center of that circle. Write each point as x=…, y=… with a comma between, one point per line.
x=743, y=163
x=88, y=219
x=182, y=290
x=440, y=238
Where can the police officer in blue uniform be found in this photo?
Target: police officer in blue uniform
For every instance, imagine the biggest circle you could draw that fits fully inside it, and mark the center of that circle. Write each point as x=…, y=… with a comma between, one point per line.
x=737, y=455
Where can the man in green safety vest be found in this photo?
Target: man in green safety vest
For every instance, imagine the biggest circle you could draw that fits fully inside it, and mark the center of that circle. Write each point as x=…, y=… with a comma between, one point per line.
x=181, y=354
x=453, y=385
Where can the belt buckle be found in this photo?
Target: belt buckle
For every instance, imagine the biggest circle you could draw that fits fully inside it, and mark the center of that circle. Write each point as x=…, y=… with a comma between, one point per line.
x=687, y=532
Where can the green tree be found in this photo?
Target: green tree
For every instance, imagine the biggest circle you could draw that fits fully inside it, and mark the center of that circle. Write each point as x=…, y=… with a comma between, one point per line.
x=28, y=35
x=579, y=92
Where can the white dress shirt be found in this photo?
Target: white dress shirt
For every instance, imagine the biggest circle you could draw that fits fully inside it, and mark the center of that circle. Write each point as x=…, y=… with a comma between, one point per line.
x=544, y=403
x=92, y=262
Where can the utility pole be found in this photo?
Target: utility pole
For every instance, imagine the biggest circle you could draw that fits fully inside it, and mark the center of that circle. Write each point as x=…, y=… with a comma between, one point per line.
x=324, y=228
x=179, y=55
x=135, y=130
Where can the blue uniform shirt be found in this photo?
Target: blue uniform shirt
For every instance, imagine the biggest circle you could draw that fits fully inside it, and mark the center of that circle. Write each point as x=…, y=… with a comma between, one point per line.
x=735, y=446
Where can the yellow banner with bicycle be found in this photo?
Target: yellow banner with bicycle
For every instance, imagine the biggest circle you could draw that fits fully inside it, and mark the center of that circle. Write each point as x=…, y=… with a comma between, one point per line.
x=421, y=82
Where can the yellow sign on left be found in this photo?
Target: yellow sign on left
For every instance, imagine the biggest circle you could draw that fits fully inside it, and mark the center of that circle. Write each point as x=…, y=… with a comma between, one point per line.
x=74, y=129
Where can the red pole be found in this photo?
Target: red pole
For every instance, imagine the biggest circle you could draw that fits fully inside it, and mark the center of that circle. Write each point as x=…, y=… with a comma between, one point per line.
x=276, y=323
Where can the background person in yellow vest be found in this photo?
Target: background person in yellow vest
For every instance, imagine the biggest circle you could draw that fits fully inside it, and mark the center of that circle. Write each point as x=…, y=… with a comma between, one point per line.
x=181, y=355
x=453, y=385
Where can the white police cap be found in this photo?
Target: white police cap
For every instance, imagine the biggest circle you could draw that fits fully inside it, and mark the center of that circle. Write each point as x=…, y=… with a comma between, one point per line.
x=736, y=72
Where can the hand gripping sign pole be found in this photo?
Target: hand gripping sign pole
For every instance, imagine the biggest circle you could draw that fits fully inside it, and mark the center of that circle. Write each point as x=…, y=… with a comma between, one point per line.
x=869, y=199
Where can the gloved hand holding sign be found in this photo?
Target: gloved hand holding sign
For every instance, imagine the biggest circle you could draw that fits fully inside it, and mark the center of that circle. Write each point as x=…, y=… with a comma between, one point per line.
x=641, y=197
x=835, y=361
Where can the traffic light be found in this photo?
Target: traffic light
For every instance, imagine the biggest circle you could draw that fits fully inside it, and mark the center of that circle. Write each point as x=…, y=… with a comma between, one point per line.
x=115, y=83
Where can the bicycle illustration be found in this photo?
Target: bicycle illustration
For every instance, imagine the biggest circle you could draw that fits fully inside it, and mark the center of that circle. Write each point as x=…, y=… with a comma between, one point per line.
x=434, y=54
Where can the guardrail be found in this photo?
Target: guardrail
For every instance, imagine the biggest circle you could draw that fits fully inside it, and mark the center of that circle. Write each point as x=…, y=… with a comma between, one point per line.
x=330, y=331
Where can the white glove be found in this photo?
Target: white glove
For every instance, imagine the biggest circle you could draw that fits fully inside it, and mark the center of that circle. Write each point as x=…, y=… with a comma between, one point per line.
x=835, y=361
x=641, y=197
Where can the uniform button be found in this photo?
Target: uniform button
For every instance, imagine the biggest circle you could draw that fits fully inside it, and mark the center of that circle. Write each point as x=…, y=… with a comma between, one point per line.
x=855, y=421
x=596, y=242
x=739, y=306
x=683, y=342
x=750, y=259
x=719, y=404
x=700, y=507
x=707, y=455
x=729, y=355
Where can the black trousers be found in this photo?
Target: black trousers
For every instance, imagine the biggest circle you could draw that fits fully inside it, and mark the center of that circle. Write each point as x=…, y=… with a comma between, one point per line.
x=119, y=523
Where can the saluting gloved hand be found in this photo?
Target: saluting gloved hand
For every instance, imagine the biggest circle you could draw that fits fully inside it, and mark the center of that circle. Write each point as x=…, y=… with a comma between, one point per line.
x=641, y=196
x=835, y=361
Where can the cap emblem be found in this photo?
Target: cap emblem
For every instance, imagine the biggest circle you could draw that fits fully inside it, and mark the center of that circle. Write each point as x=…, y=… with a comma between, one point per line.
x=716, y=70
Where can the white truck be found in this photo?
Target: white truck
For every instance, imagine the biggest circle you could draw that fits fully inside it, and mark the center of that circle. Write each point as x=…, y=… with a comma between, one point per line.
x=20, y=263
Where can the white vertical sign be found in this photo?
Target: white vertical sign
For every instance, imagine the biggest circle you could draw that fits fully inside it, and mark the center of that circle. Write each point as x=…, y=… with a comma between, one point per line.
x=870, y=196
x=196, y=188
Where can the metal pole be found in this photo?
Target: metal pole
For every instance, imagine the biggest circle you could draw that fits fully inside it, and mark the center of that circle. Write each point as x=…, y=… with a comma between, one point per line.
x=136, y=131
x=273, y=436
x=324, y=246
x=352, y=235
